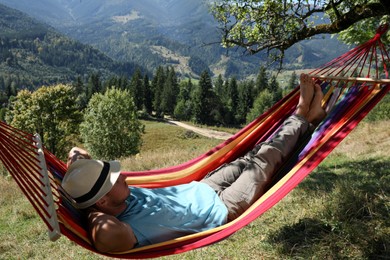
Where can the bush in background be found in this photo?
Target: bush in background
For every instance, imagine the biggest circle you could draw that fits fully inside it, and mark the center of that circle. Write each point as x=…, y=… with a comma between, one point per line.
x=111, y=128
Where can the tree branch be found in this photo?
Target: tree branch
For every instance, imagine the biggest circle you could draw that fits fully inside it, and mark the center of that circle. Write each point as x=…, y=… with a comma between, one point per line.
x=342, y=22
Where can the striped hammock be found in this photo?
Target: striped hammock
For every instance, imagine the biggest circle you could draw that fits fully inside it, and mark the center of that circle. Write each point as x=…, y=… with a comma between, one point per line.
x=353, y=84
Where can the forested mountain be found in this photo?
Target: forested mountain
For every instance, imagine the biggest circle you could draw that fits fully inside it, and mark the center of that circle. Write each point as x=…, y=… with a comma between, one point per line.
x=164, y=32
x=34, y=54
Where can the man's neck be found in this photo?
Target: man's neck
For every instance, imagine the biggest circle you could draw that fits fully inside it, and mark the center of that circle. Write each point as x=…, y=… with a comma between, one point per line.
x=114, y=210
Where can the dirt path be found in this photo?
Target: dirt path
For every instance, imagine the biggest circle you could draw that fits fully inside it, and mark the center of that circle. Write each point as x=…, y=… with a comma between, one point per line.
x=202, y=131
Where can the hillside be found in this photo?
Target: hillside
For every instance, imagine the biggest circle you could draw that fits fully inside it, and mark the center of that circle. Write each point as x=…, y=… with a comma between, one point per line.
x=34, y=54
x=340, y=211
x=131, y=31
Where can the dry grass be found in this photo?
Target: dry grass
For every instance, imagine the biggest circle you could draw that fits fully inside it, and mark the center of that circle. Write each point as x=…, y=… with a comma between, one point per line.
x=369, y=139
x=167, y=145
x=339, y=211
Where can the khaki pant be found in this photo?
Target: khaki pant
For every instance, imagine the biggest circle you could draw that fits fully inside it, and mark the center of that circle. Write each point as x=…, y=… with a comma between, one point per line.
x=240, y=183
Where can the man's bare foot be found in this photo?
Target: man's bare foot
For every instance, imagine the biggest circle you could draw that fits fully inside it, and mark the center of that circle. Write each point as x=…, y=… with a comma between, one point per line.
x=306, y=95
x=316, y=113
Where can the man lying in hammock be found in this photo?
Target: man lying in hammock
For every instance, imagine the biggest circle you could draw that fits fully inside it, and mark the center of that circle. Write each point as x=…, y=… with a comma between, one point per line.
x=122, y=217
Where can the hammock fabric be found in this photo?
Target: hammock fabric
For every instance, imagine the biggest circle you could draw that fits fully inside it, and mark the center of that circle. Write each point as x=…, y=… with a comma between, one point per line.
x=353, y=84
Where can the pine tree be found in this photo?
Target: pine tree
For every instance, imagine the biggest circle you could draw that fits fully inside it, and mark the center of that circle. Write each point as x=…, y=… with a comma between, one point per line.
x=148, y=101
x=78, y=86
x=231, y=101
x=8, y=90
x=94, y=85
x=81, y=93
x=261, y=80
x=137, y=90
x=184, y=104
x=170, y=91
x=112, y=82
x=157, y=88
x=275, y=89
x=202, y=100
x=123, y=83
x=2, y=83
x=293, y=82
x=219, y=87
x=245, y=100
x=233, y=94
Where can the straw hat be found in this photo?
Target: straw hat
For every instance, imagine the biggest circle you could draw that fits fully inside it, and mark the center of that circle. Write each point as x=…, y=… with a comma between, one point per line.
x=87, y=181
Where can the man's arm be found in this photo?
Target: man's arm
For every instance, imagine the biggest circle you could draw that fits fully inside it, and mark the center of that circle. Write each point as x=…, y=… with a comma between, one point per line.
x=109, y=234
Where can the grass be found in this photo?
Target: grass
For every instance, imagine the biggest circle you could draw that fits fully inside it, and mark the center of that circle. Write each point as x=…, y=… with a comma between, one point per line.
x=340, y=211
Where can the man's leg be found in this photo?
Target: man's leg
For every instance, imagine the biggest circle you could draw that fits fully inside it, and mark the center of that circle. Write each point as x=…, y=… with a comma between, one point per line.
x=243, y=181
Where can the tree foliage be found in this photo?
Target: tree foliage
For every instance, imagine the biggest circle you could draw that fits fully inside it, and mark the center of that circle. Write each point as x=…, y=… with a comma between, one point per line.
x=158, y=83
x=183, y=108
x=170, y=91
x=263, y=102
x=52, y=112
x=111, y=128
x=137, y=89
x=269, y=25
x=203, y=100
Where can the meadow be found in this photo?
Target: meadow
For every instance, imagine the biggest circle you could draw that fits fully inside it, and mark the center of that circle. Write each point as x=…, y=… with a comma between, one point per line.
x=340, y=211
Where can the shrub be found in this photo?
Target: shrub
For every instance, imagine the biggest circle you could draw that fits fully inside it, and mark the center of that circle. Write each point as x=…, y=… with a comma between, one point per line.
x=111, y=128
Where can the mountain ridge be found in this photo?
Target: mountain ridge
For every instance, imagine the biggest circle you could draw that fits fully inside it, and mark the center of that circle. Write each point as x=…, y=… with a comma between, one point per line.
x=129, y=30
x=34, y=54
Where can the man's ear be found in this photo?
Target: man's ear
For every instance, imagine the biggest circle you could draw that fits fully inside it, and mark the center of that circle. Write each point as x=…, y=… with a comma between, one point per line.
x=101, y=203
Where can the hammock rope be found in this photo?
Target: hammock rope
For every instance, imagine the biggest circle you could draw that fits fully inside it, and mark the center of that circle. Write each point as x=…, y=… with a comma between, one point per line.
x=353, y=84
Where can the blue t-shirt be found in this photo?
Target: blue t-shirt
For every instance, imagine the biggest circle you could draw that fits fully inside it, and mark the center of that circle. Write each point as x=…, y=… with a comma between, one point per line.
x=157, y=215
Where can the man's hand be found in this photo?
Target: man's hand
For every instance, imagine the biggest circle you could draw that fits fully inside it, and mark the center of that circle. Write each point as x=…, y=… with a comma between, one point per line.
x=75, y=154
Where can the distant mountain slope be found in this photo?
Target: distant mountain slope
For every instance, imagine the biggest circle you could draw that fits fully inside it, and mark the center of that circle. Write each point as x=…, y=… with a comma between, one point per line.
x=65, y=13
x=133, y=31
x=33, y=54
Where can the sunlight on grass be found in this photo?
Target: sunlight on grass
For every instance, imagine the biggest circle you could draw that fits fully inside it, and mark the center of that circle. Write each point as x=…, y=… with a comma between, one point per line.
x=167, y=145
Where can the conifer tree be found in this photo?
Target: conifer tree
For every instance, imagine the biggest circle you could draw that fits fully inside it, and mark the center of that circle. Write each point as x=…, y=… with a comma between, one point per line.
x=261, y=80
x=94, y=85
x=231, y=101
x=220, y=111
x=219, y=87
x=10, y=89
x=233, y=94
x=81, y=93
x=202, y=100
x=78, y=86
x=113, y=81
x=170, y=91
x=274, y=89
x=293, y=82
x=183, y=107
x=245, y=100
x=123, y=83
x=137, y=89
x=148, y=100
x=157, y=88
